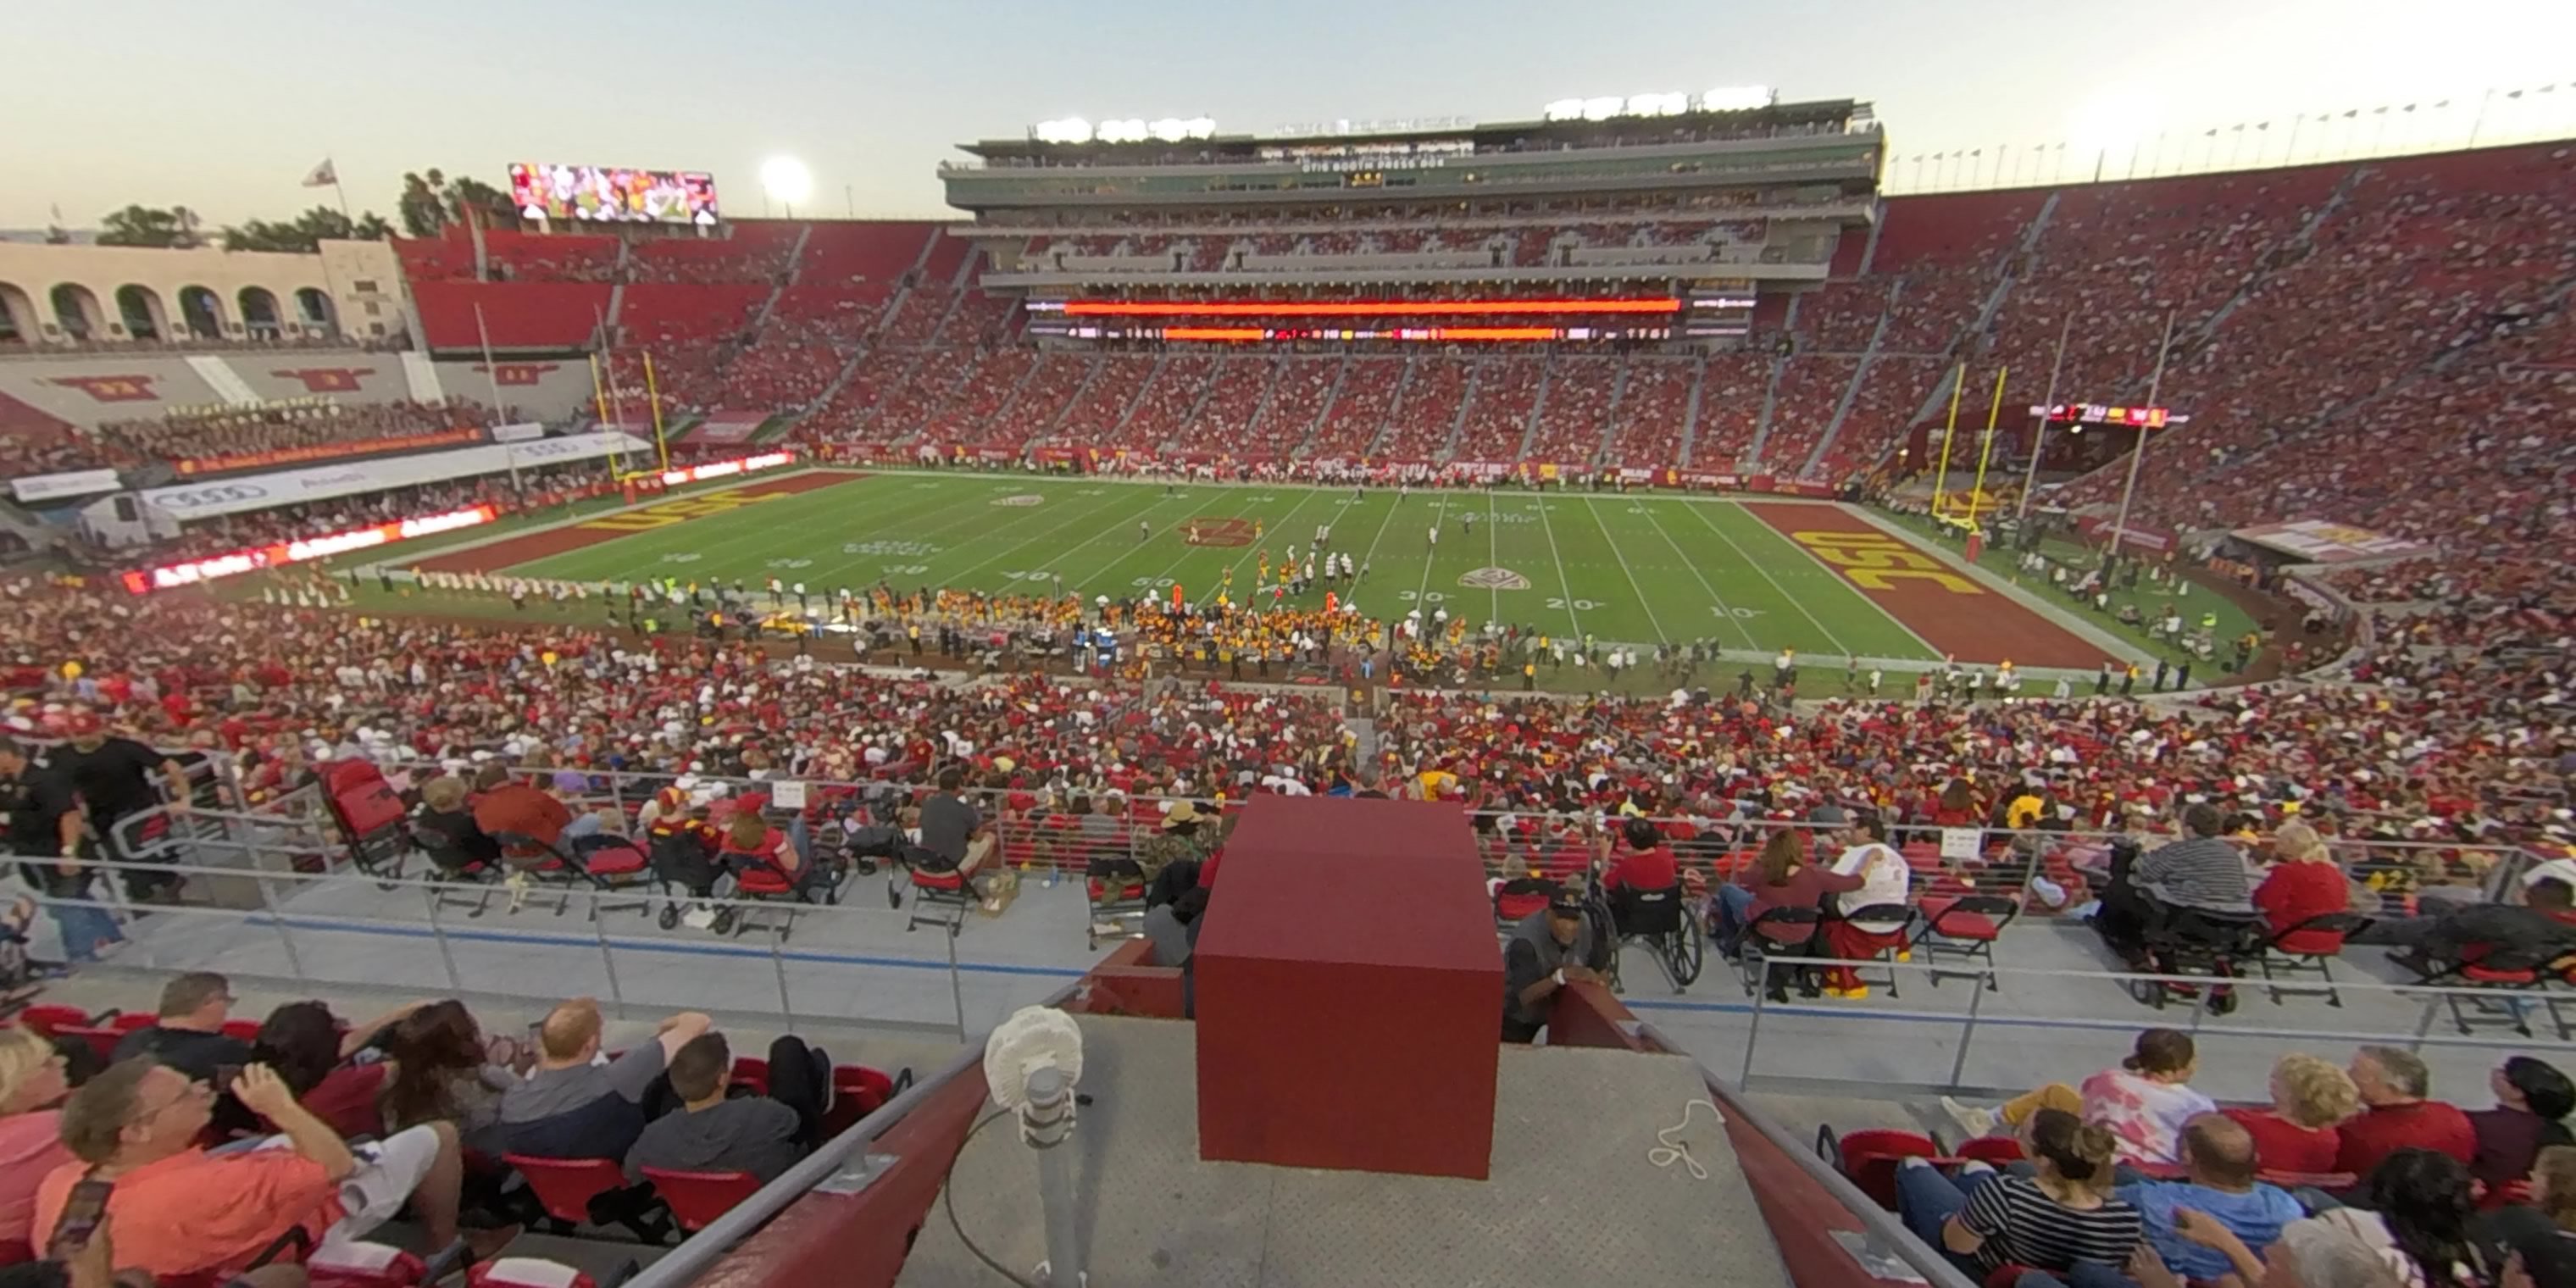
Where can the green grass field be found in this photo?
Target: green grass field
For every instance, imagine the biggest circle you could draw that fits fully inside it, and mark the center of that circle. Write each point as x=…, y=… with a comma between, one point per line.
x=1637, y=569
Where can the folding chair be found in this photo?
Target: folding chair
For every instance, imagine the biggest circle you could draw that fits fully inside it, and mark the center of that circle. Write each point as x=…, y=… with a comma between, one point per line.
x=939, y=898
x=47, y=1018
x=2306, y=948
x=1113, y=891
x=1891, y=945
x=698, y=1198
x=369, y=815
x=455, y=867
x=1782, y=930
x=758, y=879
x=1964, y=929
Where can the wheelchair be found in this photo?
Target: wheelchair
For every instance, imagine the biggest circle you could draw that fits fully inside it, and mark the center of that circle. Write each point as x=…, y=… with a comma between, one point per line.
x=2197, y=941
x=1669, y=928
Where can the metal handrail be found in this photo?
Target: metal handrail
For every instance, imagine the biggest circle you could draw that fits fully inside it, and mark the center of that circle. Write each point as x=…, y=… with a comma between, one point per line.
x=1877, y=1221
x=701, y=1250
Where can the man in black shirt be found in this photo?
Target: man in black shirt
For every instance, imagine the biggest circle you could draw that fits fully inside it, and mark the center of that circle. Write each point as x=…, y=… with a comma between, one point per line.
x=40, y=823
x=113, y=777
x=950, y=827
x=189, y=1034
x=1551, y=948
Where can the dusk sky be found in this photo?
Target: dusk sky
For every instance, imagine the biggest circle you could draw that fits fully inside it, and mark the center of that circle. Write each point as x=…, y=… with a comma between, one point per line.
x=223, y=107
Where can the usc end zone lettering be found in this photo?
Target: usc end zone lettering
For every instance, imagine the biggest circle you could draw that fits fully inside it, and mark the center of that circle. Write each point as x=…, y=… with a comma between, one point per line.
x=1876, y=561
x=666, y=513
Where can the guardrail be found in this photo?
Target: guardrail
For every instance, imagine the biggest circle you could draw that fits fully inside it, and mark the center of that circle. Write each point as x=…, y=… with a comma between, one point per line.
x=2432, y=1004
x=260, y=869
x=1041, y=832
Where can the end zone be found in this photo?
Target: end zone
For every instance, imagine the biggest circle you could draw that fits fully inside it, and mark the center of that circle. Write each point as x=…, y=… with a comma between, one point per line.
x=581, y=534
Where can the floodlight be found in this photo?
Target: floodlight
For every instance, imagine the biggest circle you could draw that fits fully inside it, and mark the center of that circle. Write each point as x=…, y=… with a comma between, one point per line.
x=1169, y=129
x=786, y=180
x=1602, y=109
x=1565, y=109
x=1199, y=127
x=1735, y=98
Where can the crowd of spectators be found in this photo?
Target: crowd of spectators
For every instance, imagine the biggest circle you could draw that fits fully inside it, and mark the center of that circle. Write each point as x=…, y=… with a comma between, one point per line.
x=1500, y=400
x=221, y=1137
x=1575, y=414
x=126, y=444
x=2354, y=1175
x=1428, y=410
x=1359, y=412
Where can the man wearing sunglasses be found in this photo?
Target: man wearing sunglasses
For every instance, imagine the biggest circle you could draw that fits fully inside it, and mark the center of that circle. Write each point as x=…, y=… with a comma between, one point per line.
x=179, y=1210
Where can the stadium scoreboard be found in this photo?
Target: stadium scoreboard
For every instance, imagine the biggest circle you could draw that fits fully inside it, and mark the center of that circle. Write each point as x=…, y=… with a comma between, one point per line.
x=2122, y=416
x=613, y=194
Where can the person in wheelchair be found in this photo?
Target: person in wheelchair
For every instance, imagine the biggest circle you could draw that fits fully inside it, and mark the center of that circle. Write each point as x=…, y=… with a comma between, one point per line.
x=682, y=845
x=1643, y=882
x=2189, y=899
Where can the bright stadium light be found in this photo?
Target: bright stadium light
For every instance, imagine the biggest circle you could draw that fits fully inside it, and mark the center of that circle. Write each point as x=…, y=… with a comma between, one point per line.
x=1071, y=129
x=2114, y=122
x=786, y=181
x=1602, y=109
x=1658, y=104
x=1122, y=131
x=1736, y=98
x=1565, y=109
x=1199, y=127
x=1168, y=129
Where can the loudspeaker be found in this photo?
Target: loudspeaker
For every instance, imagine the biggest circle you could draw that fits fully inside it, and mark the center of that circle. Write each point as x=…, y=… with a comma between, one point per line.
x=126, y=511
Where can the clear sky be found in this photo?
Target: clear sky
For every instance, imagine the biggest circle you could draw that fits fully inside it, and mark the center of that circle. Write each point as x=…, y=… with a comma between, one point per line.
x=222, y=107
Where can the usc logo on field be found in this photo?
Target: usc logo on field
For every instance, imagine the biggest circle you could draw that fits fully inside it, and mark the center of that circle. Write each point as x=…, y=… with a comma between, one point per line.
x=1218, y=532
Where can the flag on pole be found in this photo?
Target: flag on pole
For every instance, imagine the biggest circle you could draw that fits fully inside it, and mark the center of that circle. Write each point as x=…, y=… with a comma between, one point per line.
x=322, y=176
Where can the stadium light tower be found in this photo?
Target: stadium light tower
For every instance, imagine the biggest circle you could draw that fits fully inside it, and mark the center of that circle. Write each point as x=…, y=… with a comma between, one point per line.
x=786, y=181
x=2114, y=120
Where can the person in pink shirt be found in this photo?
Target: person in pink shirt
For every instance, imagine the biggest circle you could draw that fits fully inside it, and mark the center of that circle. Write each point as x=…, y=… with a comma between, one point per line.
x=2144, y=1102
x=31, y=1140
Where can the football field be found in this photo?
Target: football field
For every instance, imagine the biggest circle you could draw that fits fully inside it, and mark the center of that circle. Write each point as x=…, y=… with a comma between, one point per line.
x=1747, y=576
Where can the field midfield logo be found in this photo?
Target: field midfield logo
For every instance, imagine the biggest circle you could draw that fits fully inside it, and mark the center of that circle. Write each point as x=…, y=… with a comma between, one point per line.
x=1217, y=532
x=1024, y=498
x=1494, y=579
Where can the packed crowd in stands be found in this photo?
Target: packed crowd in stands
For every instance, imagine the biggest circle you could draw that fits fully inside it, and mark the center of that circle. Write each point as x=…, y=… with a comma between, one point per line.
x=125, y=444
x=2355, y=1175
x=224, y=1134
x=534, y=489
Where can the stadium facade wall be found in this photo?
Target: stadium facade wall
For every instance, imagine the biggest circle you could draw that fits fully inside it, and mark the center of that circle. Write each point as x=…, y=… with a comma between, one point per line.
x=57, y=295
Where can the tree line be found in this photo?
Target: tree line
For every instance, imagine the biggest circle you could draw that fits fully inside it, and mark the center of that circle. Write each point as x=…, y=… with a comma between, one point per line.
x=430, y=203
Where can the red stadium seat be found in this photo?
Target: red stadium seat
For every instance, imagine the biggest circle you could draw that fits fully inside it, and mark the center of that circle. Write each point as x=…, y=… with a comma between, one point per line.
x=697, y=1198
x=1870, y=1157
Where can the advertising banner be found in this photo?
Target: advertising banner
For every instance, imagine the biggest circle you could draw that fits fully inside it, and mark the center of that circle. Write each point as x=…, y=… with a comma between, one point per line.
x=192, y=501
x=190, y=572
x=36, y=489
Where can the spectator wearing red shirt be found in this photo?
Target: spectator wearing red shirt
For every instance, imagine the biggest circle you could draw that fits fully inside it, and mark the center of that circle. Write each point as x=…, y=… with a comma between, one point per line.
x=2393, y=1084
x=1781, y=878
x=504, y=804
x=2305, y=883
x=2297, y=1134
x=1648, y=863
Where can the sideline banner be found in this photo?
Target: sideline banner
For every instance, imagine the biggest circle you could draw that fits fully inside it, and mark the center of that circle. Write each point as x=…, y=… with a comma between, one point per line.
x=424, y=442
x=190, y=572
x=36, y=489
x=191, y=502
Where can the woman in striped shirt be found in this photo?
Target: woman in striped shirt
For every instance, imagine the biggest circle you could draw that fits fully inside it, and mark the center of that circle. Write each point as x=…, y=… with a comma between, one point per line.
x=2053, y=1221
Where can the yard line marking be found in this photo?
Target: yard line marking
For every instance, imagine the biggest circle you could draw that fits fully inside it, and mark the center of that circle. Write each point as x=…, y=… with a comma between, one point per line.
x=1594, y=505
x=1155, y=589
x=1561, y=578
x=962, y=519
x=1257, y=546
x=1090, y=513
x=1794, y=601
x=1835, y=575
x=652, y=544
x=1493, y=553
x=1693, y=565
x=1381, y=536
x=1119, y=524
x=1431, y=555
